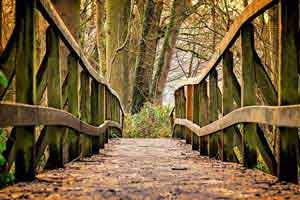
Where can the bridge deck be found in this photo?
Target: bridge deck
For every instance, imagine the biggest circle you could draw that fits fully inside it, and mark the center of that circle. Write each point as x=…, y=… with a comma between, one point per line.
x=153, y=168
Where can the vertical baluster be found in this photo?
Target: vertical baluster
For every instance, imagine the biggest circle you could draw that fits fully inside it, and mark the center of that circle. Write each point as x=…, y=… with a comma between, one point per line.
x=196, y=115
x=25, y=86
x=203, y=107
x=213, y=141
x=54, y=90
x=72, y=137
x=95, y=113
x=182, y=103
x=228, y=106
x=189, y=112
x=288, y=87
x=177, y=129
x=85, y=110
x=248, y=95
x=102, y=112
x=107, y=111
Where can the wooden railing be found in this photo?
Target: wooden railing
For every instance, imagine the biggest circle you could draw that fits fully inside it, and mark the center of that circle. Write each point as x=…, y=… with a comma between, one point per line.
x=83, y=110
x=239, y=136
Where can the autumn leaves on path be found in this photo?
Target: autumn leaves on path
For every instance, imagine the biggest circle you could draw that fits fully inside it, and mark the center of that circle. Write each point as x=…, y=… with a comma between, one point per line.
x=151, y=169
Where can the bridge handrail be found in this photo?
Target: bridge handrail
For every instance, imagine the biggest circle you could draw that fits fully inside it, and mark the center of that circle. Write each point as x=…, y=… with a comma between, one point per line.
x=251, y=11
x=198, y=107
x=50, y=13
x=17, y=114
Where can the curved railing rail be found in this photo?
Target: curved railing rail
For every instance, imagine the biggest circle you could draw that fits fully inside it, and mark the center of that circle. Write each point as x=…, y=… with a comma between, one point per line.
x=239, y=136
x=83, y=110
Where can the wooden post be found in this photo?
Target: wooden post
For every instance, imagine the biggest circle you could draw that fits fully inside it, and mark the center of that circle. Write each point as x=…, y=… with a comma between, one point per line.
x=102, y=112
x=228, y=106
x=196, y=116
x=85, y=110
x=182, y=111
x=288, y=87
x=177, y=129
x=54, y=90
x=213, y=140
x=25, y=86
x=107, y=111
x=189, y=112
x=248, y=95
x=72, y=138
x=95, y=113
x=203, y=116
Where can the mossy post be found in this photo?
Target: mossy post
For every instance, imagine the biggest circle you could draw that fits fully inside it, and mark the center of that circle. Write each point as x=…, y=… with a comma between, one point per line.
x=196, y=115
x=72, y=139
x=228, y=106
x=182, y=108
x=25, y=86
x=102, y=112
x=189, y=112
x=54, y=92
x=288, y=87
x=203, y=107
x=213, y=140
x=248, y=95
x=95, y=113
x=85, y=110
x=177, y=129
x=108, y=103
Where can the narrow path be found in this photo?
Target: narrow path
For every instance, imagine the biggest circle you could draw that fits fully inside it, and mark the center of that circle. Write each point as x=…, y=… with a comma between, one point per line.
x=151, y=169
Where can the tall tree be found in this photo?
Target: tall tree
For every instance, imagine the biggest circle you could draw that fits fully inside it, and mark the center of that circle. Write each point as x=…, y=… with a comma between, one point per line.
x=116, y=26
x=100, y=21
x=179, y=12
x=146, y=54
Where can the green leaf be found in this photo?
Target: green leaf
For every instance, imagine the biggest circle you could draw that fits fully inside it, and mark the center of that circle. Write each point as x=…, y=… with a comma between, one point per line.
x=3, y=80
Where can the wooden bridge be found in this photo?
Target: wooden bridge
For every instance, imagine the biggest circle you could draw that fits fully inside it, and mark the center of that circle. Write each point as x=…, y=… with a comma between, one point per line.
x=83, y=111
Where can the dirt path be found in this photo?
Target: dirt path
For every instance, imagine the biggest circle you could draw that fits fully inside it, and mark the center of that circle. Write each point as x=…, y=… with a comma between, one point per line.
x=151, y=169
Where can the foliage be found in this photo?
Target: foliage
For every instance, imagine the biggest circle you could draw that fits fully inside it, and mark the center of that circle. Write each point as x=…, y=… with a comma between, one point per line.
x=151, y=122
x=5, y=177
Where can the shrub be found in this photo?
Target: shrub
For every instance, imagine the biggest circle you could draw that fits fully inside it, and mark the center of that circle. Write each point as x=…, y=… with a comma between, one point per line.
x=151, y=122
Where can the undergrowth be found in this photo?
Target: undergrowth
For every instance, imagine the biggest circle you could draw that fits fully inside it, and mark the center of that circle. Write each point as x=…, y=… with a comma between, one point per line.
x=151, y=122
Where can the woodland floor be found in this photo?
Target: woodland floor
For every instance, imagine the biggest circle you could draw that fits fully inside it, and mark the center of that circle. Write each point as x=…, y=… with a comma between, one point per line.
x=151, y=169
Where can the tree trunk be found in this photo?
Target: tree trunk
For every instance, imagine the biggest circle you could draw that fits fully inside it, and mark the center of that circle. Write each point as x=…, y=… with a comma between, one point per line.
x=165, y=56
x=100, y=21
x=117, y=17
x=146, y=54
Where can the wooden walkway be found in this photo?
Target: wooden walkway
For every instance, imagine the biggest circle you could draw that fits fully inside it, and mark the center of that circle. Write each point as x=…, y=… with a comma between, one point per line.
x=151, y=169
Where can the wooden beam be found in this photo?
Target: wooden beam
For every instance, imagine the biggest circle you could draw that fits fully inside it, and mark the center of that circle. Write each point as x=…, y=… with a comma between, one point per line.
x=54, y=134
x=214, y=139
x=248, y=94
x=95, y=113
x=196, y=116
x=203, y=118
x=228, y=106
x=288, y=87
x=189, y=112
x=25, y=87
x=15, y=114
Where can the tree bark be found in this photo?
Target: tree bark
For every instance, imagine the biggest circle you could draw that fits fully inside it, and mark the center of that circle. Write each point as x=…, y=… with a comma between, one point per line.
x=146, y=54
x=116, y=26
x=100, y=21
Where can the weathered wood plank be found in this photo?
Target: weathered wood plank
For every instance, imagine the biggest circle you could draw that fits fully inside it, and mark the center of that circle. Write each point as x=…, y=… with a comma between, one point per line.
x=249, y=133
x=203, y=117
x=15, y=114
x=102, y=111
x=85, y=111
x=282, y=116
x=25, y=87
x=213, y=150
x=196, y=116
x=95, y=113
x=54, y=134
x=189, y=112
x=228, y=106
x=72, y=138
x=288, y=87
